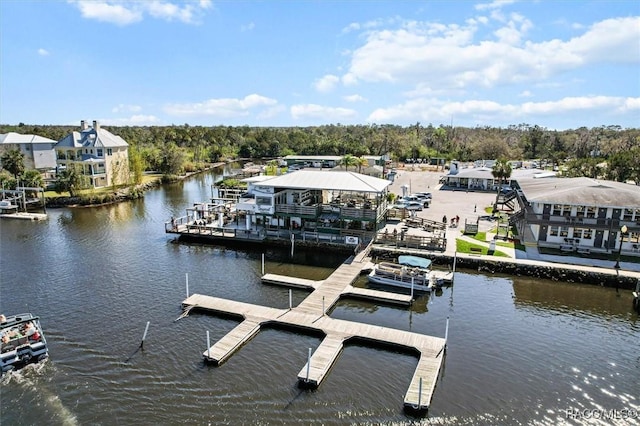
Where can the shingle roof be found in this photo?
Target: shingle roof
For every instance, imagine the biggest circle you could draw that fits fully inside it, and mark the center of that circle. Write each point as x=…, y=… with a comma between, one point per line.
x=328, y=180
x=581, y=191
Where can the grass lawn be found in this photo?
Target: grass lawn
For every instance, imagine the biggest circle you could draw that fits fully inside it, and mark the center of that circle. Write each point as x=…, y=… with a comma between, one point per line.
x=465, y=247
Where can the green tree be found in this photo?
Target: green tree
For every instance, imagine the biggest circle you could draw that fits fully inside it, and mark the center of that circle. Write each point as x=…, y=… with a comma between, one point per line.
x=501, y=170
x=172, y=160
x=348, y=160
x=71, y=180
x=32, y=179
x=13, y=161
x=136, y=164
x=361, y=162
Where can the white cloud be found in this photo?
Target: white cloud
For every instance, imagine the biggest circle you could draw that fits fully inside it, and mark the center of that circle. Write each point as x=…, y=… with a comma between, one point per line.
x=125, y=12
x=222, y=107
x=354, y=98
x=326, y=83
x=438, y=56
x=495, y=4
x=43, y=52
x=322, y=113
x=247, y=27
x=525, y=94
x=134, y=120
x=111, y=12
x=126, y=108
x=484, y=111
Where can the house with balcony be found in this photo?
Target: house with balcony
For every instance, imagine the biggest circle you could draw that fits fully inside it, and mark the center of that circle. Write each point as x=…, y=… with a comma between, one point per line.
x=340, y=203
x=579, y=214
x=102, y=156
x=38, y=151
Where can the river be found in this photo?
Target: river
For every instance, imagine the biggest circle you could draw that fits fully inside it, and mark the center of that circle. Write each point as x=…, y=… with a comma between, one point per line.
x=521, y=350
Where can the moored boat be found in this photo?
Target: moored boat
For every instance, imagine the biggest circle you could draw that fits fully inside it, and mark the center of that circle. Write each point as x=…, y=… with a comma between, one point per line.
x=410, y=272
x=23, y=341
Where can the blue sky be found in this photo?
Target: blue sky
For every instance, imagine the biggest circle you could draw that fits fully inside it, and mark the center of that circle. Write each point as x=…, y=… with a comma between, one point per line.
x=557, y=64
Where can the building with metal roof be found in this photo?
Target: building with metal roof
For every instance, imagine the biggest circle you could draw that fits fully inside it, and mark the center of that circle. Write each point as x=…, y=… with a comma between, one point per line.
x=38, y=151
x=579, y=214
x=332, y=204
x=102, y=156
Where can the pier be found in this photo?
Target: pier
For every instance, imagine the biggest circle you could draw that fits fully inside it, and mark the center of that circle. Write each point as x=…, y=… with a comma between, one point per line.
x=311, y=316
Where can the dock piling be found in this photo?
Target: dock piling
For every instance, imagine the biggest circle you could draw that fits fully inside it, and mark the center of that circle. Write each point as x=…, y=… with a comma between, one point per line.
x=420, y=394
x=144, y=336
x=186, y=276
x=446, y=333
x=290, y=302
x=308, y=364
x=262, y=263
x=208, y=346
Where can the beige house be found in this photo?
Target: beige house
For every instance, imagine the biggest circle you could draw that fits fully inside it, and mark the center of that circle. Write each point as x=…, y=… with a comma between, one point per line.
x=103, y=156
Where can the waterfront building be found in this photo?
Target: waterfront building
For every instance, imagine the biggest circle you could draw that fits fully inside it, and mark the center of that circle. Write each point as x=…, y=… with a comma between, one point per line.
x=327, y=202
x=579, y=214
x=103, y=157
x=37, y=150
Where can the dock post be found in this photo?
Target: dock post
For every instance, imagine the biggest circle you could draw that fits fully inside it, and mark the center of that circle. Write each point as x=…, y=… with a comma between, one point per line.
x=186, y=276
x=290, y=303
x=208, y=346
x=262, y=263
x=144, y=336
x=446, y=333
x=308, y=364
x=322, y=305
x=412, y=278
x=455, y=258
x=420, y=393
x=293, y=239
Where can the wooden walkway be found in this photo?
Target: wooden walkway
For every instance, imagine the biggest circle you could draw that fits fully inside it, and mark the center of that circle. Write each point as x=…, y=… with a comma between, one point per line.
x=310, y=314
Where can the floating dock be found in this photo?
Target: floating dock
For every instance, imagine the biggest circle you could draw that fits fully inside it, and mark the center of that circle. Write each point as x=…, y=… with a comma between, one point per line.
x=24, y=216
x=311, y=315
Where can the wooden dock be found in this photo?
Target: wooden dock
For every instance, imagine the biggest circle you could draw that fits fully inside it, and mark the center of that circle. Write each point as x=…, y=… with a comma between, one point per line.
x=311, y=315
x=24, y=216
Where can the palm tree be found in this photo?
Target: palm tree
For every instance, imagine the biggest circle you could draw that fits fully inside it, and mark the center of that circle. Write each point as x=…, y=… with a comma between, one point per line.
x=501, y=170
x=361, y=162
x=348, y=160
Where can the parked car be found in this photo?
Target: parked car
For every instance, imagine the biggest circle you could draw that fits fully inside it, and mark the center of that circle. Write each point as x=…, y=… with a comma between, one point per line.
x=414, y=205
x=426, y=195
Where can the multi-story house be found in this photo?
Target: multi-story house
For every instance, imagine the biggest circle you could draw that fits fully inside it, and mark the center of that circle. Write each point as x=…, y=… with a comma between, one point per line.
x=102, y=156
x=37, y=150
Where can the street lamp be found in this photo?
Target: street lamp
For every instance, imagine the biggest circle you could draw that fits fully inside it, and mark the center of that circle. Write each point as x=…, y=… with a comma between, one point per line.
x=623, y=231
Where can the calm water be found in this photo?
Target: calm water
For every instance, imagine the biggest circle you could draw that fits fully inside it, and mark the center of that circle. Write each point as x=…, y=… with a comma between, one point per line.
x=521, y=351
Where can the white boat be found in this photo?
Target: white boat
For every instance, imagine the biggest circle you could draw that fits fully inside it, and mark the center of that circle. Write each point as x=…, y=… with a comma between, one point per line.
x=410, y=272
x=23, y=342
x=6, y=205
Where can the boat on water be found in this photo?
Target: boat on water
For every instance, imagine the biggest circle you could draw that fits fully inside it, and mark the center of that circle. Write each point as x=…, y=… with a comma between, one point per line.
x=410, y=272
x=23, y=341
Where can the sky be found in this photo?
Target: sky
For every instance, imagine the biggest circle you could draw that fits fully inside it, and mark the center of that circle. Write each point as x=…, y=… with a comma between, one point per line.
x=555, y=64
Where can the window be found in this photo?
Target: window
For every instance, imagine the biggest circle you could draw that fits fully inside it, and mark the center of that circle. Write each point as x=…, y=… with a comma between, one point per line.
x=627, y=214
x=577, y=232
x=263, y=201
x=587, y=234
x=553, y=231
x=591, y=212
x=566, y=210
x=580, y=211
x=564, y=231
x=99, y=152
x=109, y=151
x=557, y=210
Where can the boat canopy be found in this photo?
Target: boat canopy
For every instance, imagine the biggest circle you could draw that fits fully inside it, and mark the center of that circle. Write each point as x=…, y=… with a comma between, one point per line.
x=414, y=261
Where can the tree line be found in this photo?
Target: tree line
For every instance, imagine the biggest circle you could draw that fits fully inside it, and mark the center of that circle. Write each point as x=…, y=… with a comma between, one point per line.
x=609, y=152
